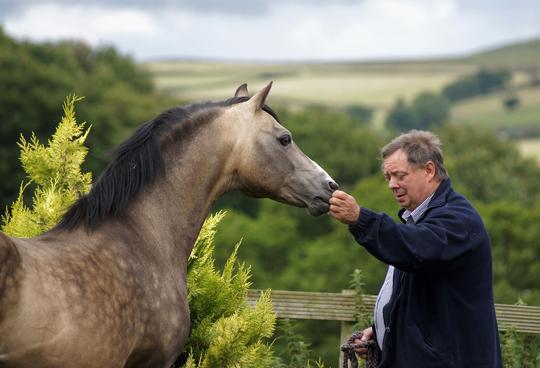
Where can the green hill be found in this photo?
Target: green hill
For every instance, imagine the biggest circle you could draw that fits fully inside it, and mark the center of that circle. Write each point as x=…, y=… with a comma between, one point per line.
x=377, y=84
x=523, y=55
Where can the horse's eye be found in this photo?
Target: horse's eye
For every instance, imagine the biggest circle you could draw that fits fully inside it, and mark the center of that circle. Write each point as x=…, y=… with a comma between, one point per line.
x=285, y=140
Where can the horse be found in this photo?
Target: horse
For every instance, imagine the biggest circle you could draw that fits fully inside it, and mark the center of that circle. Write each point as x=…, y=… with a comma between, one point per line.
x=106, y=287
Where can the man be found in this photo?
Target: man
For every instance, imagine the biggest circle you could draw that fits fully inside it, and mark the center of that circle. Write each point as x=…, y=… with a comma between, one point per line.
x=435, y=308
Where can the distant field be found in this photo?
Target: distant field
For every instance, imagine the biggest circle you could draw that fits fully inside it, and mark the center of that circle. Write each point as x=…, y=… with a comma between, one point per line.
x=376, y=85
x=336, y=85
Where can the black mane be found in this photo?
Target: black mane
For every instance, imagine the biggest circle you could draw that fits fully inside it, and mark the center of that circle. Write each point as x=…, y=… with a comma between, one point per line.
x=136, y=165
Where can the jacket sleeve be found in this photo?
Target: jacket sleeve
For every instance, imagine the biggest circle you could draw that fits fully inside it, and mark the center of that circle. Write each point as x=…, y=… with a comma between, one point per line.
x=436, y=244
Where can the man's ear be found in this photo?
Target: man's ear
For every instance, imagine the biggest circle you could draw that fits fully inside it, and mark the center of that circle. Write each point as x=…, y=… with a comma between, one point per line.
x=431, y=170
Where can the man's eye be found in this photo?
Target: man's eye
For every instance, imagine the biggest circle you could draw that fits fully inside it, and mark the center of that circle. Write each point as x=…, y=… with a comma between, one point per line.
x=285, y=140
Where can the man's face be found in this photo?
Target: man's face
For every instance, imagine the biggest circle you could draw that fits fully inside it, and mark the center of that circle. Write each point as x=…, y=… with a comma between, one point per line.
x=411, y=185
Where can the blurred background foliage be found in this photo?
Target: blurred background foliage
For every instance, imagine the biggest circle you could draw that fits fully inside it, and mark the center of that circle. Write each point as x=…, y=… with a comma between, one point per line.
x=468, y=107
x=35, y=80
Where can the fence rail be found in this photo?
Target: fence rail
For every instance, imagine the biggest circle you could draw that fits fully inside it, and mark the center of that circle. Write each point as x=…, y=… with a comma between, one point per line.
x=342, y=307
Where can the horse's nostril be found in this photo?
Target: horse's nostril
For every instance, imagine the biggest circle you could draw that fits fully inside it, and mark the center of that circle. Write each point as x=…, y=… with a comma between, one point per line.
x=333, y=185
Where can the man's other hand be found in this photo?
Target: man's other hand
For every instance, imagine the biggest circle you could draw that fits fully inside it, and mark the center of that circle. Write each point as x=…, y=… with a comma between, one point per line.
x=367, y=335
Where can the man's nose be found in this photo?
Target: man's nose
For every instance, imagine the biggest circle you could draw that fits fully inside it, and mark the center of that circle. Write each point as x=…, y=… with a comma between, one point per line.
x=392, y=184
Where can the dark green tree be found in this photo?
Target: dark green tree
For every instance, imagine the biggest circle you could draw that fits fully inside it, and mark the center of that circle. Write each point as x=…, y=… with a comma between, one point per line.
x=490, y=81
x=464, y=88
x=514, y=233
x=400, y=117
x=35, y=79
x=511, y=102
x=360, y=113
x=480, y=83
x=430, y=110
x=487, y=168
x=427, y=111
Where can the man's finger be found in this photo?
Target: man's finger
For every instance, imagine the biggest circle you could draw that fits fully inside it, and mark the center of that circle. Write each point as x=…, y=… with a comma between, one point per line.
x=336, y=201
x=335, y=211
x=339, y=194
x=336, y=208
x=361, y=352
x=333, y=200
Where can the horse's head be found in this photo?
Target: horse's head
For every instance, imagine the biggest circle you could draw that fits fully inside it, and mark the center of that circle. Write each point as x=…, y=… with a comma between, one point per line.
x=268, y=162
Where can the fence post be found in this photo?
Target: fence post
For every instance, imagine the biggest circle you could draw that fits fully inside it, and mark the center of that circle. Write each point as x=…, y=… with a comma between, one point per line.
x=346, y=329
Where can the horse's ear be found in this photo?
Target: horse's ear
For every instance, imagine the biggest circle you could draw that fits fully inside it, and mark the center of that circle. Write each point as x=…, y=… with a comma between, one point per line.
x=242, y=91
x=258, y=99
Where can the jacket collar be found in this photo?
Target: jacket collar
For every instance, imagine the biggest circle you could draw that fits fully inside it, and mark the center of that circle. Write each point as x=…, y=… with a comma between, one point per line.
x=438, y=200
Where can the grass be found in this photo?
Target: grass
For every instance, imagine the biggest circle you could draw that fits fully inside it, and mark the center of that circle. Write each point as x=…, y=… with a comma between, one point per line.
x=375, y=85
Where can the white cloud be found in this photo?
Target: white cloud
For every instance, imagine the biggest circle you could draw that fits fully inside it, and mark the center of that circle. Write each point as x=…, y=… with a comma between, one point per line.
x=92, y=23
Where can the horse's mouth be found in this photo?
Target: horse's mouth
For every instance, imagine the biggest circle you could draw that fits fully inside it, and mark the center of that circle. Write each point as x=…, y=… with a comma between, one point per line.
x=318, y=206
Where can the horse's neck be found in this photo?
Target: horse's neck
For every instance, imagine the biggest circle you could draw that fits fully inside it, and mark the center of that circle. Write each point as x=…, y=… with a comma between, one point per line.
x=172, y=212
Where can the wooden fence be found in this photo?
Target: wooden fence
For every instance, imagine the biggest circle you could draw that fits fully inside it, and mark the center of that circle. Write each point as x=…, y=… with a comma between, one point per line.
x=342, y=307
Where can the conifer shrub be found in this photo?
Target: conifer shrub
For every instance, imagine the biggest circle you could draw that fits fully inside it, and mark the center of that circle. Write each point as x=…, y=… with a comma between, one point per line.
x=55, y=173
x=227, y=331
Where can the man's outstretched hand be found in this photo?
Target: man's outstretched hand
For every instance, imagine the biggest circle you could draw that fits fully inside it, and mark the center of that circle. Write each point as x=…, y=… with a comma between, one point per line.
x=343, y=207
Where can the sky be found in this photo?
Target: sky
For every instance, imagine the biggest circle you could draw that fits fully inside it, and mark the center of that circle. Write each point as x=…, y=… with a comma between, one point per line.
x=278, y=30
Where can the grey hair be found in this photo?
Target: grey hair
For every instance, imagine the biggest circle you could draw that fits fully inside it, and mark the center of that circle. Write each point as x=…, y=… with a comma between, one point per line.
x=420, y=146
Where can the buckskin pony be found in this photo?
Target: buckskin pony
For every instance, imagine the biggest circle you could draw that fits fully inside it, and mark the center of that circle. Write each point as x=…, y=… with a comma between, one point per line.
x=107, y=287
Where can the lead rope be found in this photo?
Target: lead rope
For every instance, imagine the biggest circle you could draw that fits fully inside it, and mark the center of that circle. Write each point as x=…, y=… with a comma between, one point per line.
x=349, y=354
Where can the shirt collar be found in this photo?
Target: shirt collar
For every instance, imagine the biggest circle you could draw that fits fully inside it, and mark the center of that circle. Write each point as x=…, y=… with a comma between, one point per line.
x=418, y=211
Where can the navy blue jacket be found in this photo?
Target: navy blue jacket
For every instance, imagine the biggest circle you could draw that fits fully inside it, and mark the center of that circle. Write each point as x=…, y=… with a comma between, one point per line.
x=442, y=313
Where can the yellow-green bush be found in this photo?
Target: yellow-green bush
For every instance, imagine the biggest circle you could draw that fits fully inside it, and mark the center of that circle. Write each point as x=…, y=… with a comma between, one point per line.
x=226, y=331
x=55, y=170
